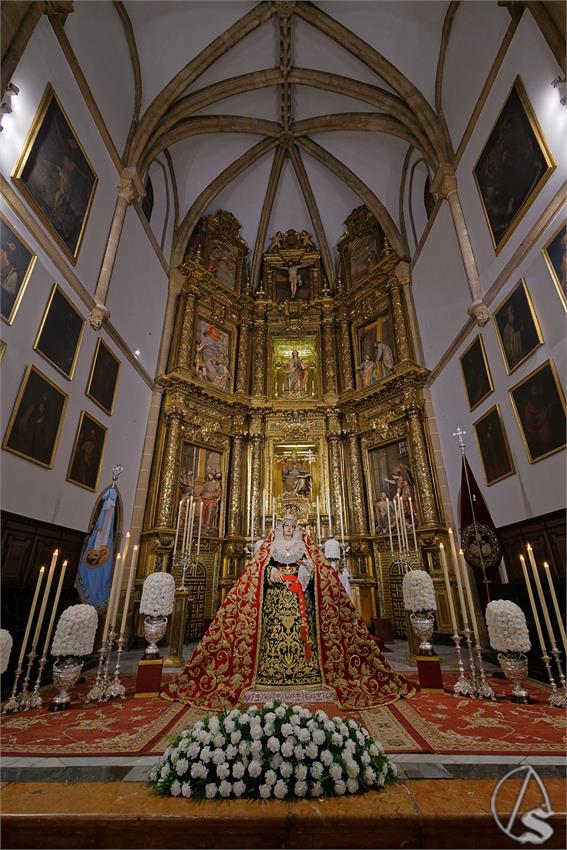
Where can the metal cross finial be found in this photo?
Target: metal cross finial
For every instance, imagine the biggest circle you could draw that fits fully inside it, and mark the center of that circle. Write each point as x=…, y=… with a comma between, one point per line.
x=117, y=469
x=459, y=433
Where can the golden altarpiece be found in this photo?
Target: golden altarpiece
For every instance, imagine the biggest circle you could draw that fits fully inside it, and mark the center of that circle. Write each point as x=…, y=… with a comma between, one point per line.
x=301, y=397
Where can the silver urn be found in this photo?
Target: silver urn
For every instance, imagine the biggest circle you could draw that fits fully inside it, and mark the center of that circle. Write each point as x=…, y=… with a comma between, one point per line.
x=66, y=671
x=422, y=624
x=515, y=667
x=154, y=630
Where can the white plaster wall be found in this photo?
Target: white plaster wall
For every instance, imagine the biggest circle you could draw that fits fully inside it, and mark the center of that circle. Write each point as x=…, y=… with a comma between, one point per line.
x=163, y=208
x=43, y=494
x=469, y=58
x=414, y=207
x=98, y=40
x=43, y=62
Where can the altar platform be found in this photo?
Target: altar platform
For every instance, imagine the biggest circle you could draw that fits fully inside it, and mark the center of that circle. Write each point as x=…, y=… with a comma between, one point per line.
x=77, y=778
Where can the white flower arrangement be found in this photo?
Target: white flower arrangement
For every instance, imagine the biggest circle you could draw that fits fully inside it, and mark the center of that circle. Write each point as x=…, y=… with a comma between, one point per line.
x=507, y=627
x=6, y=643
x=419, y=593
x=276, y=751
x=158, y=594
x=75, y=632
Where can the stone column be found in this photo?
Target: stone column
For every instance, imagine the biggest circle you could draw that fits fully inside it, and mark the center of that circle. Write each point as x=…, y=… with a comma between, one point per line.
x=242, y=357
x=357, y=494
x=418, y=447
x=129, y=189
x=259, y=377
x=329, y=360
x=235, y=502
x=445, y=186
x=185, y=351
x=346, y=354
x=169, y=475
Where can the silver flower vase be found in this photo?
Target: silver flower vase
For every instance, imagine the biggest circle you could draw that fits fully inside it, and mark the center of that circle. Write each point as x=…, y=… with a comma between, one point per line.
x=66, y=671
x=422, y=624
x=515, y=667
x=154, y=630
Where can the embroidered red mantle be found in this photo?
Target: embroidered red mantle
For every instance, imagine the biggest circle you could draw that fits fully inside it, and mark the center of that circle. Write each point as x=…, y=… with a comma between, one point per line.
x=224, y=663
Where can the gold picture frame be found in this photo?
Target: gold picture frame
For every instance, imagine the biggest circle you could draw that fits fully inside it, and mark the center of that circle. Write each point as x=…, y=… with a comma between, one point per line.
x=21, y=260
x=37, y=426
x=493, y=446
x=3, y=347
x=60, y=328
x=515, y=139
x=88, y=449
x=213, y=355
x=541, y=414
x=477, y=386
x=55, y=175
x=555, y=255
x=103, y=395
x=519, y=335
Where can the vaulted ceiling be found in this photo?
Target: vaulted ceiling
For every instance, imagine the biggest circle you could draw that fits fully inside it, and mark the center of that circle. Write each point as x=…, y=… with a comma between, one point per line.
x=288, y=114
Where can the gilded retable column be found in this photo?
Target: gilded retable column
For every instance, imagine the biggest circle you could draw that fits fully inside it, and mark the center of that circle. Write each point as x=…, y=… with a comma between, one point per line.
x=330, y=369
x=346, y=353
x=242, y=363
x=358, y=500
x=165, y=513
x=416, y=436
x=185, y=350
x=259, y=355
x=235, y=502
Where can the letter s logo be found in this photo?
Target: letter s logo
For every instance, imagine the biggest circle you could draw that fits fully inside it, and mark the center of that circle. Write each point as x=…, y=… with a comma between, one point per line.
x=542, y=831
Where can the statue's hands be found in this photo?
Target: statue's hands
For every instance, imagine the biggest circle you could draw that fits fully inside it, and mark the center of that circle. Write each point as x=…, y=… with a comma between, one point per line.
x=276, y=575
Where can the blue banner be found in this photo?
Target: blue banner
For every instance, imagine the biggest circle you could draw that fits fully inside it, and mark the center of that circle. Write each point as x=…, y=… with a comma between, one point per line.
x=94, y=576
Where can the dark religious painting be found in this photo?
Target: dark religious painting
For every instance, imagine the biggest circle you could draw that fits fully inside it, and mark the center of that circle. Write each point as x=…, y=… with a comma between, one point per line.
x=222, y=260
x=476, y=374
x=201, y=475
x=292, y=282
x=103, y=378
x=60, y=333
x=493, y=446
x=16, y=265
x=364, y=255
x=375, y=351
x=518, y=330
x=56, y=177
x=555, y=253
x=513, y=166
x=390, y=476
x=35, y=423
x=539, y=405
x=212, y=356
x=86, y=457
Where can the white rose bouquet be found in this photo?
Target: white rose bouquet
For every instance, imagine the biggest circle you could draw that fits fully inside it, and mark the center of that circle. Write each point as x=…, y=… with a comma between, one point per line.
x=75, y=632
x=158, y=594
x=507, y=627
x=6, y=643
x=419, y=593
x=274, y=752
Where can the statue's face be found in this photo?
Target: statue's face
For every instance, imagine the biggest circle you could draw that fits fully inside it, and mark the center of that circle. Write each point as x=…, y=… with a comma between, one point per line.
x=288, y=530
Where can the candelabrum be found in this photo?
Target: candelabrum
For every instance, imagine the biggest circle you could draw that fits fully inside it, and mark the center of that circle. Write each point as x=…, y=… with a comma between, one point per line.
x=98, y=691
x=14, y=703
x=561, y=693
x=462, y=686
x=467, y=633
x=25, y=695
x=35, y=700
x=484, y=690
x=183, y=561
x=116, y=688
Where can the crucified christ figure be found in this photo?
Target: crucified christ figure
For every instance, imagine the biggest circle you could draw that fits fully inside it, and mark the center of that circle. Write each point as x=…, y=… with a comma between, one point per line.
x=294, y=276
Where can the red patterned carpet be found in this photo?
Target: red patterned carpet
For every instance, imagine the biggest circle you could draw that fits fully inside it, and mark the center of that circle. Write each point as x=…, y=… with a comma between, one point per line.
x=428, y=723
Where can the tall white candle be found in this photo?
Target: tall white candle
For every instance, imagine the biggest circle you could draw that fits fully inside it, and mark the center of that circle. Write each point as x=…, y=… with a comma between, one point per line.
x=389, y=526
x=462, y=605
x=116, y=601
x=54, y=609
x=125, y=548
x=448, y=589
x=41, y=614
x=200, y=529
x=30, y=615
x=318, y=521
x=177, y=526
x=468, y=589
x=539, y=588
x=413, y=524
x=396, y=520
x=329, y=513
x=453, y=547
x=341, y=521
x=556, y=606
x=533, y=604
x=109, y=607
x=403, y=516
x=191, y=523
x=273, y=513
x=264, y=497
x=131, y=577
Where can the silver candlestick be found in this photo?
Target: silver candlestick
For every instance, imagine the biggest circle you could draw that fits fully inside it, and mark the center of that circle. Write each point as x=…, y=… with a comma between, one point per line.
x=35, y=700
x=25, y=695
x=467, y=632
x=559, y=699
x=484, y=690
x=13, y=703
x=462, y=686
x=116, y=688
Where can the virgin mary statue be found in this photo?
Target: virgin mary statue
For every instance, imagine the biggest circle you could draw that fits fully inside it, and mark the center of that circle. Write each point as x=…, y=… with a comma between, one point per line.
x=287, y=623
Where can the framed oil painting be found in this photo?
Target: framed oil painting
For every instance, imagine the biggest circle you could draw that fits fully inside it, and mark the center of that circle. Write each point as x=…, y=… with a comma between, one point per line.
x=16, y=265
x=55, y=175
x=221, y=262
x=539, y=405
x=493, y=446
x=212, y=361
x=35, y=424
x=103, y=379
x=390, y=475
x=374, y=348
x=513, y=166
x=519, y=333
x=364, y=255
x=201, y=475
x=292, y=282
x=555, y=255
x=476, y=374
x=60, y=332
x=88, y=448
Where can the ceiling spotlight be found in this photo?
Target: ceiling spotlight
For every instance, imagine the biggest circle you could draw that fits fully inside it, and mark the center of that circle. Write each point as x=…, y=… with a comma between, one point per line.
x=560, y=83
x=137, y=353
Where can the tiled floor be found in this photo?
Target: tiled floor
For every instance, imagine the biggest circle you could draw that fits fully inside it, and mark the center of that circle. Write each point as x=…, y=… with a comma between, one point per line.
x=410, y=766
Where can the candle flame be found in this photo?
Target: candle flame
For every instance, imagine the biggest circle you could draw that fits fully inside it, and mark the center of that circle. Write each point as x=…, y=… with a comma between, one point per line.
x=545, y=564
x=56, y=552
x=461, y=552
x=42, y=569
x=528, y=546
x=118, y=556
x=441, y=546
x=450, y=531
x=127, y=534
x=64, y=563
x=135, y=547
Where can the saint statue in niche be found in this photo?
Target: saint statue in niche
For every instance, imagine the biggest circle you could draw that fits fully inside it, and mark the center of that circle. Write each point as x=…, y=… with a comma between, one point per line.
x=296, y=373
x=296, y=478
